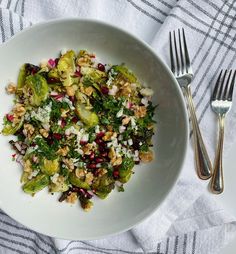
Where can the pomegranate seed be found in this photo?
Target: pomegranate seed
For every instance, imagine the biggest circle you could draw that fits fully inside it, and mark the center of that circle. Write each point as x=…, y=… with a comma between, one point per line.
x=92, y=155
x=98, y=141
x=57, y=136
x=51, y=63
x=83, y=142
x=75, y=119
x=63, y=123
x=77, y=74
x=116, y=174
x=104, y=90
x=100, y=134
x=104, y=154
x=13, y=155
x=52, y=80
x=99, y=160
x=72, y=99
x=101, y=67
x=10, y=118
x=91, y=166
x=102, y=149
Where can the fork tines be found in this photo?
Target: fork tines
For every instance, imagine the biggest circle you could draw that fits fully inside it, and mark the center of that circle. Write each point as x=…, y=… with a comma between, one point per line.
x=180, y=62
x=224, y=86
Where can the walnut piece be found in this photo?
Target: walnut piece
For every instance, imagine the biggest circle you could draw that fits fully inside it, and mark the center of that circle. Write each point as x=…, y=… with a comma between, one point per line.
x=28, y=129
x=126, y=120
x=146, y=156
x=89, y=178
x=63, y=151
x=140, y=111
x=44, y=133
x=11, y=88
x=72, y=198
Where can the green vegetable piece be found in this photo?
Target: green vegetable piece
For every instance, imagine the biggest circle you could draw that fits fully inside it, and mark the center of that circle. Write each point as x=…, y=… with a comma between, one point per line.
x=103, y=186
x=39, y=88
x=21, y=77
x=61, y=187
x=36, y=184
x=122, y=69
x=87, y=117
x=66, y=63
x=53, y=73
x=74, y=180
x=9, y=129
x=125, y=171
x=50, y=167
x=92, y=74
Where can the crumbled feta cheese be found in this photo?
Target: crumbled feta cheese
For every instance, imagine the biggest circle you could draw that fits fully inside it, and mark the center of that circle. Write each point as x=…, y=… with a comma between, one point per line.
x=54, y=178
x=144, y=101
x=98, y=165
x=120, y=113
x=130, y=142
x=33, y=174
x=146, y=92
x=120, y=137
x=85, y=137
x=113, y=90
x=97, y=129
x=71, y=130
x=43, y=114
x=140, y=143
x=125, y=143
x=122, y=128
x=133, y=123
x=59, y=122
x=69, y=102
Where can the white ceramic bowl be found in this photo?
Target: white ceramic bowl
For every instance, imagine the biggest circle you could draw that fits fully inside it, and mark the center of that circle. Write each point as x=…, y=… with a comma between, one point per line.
x=149, y=185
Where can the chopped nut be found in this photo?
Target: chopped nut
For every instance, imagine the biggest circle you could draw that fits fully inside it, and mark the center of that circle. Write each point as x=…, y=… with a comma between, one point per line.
x=70, y=90
x=84, y=61
x=28, y=129
x=89, y=178
x=79, y=172
x=87, y=206
x=126, y=120
x=87, y=149
x=101, y=172
x=63, y=151
x=72, y=198
x=44, y=133
x=146, y=156
x=11, y=88
x=125, y=90
x=112, y=153
x=64, y=112
x=116, y=161
x=88, y=90
x=18, y=110
x=140, y=111
x=27, y=166
x=108, y=135
x=69, y=163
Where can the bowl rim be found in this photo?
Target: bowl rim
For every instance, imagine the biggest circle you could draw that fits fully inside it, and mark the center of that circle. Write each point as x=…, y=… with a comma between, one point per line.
x=182, y=102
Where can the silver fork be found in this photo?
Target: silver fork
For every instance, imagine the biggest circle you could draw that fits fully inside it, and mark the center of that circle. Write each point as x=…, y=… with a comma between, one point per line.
x=181, y=68
x=221, y=103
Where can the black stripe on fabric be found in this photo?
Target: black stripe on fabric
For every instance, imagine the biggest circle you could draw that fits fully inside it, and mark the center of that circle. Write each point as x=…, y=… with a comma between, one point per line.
x=154, y=7
x=208, y=32
x=11, y=23
x=17, y=2
x=1, y=26
x=87, y=249
x=90, y=245
x=176, y=244
x=24, y=229
x=194, y=242
x=158, y=248
x=21, y=23
x=18, y=243
x=202, y=21
x=25, y=238
x=213, y=58
x=144, y=12
x=8, y=4
x=198, y=30
x=12, y=249
x=185, y=243
x=23, y=8
x=213, y=77
x=167, y=245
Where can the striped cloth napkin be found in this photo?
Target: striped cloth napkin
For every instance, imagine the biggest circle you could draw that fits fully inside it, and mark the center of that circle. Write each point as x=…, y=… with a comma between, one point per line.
x=189, y=221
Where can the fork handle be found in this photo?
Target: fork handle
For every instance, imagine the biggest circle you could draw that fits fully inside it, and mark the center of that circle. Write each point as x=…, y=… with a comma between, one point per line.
x=217, y=182
x=203, y=163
